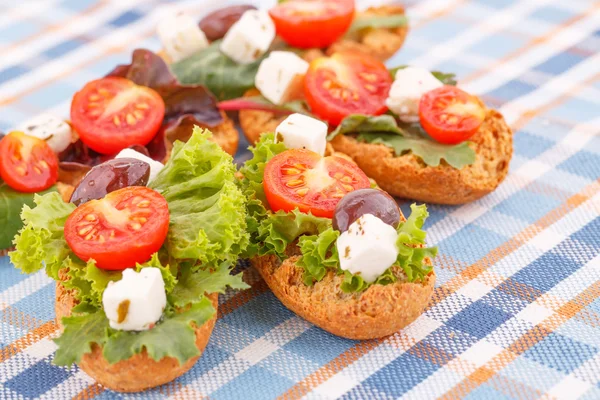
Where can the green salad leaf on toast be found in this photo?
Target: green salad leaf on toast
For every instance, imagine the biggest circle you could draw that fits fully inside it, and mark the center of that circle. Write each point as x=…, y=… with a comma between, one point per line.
x=195, y=259
x=272, y=233
x=405, y=138
x=377, y=21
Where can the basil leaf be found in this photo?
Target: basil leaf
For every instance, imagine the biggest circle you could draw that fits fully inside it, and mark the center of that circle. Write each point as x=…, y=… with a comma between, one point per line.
x=445, y=78
x=10, y=212
x=213, y=69
x=378, y=21
x=429, y=151
x=358, y=123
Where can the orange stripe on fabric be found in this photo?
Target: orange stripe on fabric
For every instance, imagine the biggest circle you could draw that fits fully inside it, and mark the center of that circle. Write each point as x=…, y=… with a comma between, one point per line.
x=525, y=342
x=536, y=41
x=89, y=392
x=30, y=338
x=343, y=360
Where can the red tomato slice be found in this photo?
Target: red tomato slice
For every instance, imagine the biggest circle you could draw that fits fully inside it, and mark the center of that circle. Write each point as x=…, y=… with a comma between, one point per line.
x=450, y=115
x=27, y=164
x=345, y=84
x=303, y=179
x=125, y=227
x=111, y=114
x=312, y=23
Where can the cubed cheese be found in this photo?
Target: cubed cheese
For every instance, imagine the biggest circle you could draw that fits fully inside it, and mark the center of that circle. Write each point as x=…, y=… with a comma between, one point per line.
x=249, y=38
x=301, y=132
x=55, y=131
x=368, y=247
x=135, y=302
x=406, y=91
x=280, y=76
x=155, y=166
x=180, y=36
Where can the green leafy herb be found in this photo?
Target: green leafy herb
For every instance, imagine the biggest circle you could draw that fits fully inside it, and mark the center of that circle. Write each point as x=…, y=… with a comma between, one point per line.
x=174, y=336
x=359, y=123
x=429, y=151
x=445, y=78
x=213, y=69
x=213, y=280
x=378, y=21
x=12, y=203
x=319, y=253
x=410, y=236
x=80, y=332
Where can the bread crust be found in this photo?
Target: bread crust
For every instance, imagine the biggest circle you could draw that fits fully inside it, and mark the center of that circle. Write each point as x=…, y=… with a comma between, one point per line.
x=139, y=372
x=379, y=311
x=381, y=43
x=408, y=177
x=225, y=134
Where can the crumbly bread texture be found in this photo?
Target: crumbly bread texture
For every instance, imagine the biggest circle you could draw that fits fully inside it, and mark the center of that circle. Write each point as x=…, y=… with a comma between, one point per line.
x=225, y=134
x=407, y=176
x=381, y=43
x=256, y=122
x=379, y=311
x=139, y=372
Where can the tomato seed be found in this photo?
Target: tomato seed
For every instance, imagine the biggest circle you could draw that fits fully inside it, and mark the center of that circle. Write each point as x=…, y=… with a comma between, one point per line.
x=370, y=87
x=368, y=77
x=143, y=204
x=94, y=97
x=90, y=217
x=291, y=171
x=85, y=230
x=337, y=195
x=141, y=220
x=346, y=179
x=21, y=171
x=141, y=106
x=92, y=105
x=101, y=239
x=43, y=164
x=348, y=187
x=103, y=92
x=130, y=119
x=37, y=170
x=90, y=235
x=302, y=192
x=135, y=226
x=117, y=120
x=294, y=183
x=338, y=175
x=138, y=114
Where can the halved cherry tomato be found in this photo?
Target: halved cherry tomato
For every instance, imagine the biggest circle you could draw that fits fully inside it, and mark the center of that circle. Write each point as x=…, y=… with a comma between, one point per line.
x=27, y=164
x=303, y=179
x=312, y=23
x=126, y=227
x=111, y=114
x=346, y=83
x=450, y=115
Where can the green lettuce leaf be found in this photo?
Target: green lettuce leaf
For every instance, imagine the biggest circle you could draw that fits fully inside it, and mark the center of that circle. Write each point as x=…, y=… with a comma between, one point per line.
x=174, y=336
x=12, y=203
x=260, y=103
x=213, y=69
x=251, y=184
x=41, y=241
x=410, y=235
x=215, y=280
x=445, y=78
x=319, y=252
x=377, y=21
x=359, y=123
x=80, y=332
x=207, y=209
x=280, y=229
x=432, y=153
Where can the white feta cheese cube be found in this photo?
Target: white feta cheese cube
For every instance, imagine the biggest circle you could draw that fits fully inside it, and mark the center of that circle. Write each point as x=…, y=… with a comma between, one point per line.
x=55, y=131
x=301, y=132
x=409, y=85
x=280, y=76
x=368, y=247
x=155, y=166
x=181, y=37
x=249, y=38
x=135, y=302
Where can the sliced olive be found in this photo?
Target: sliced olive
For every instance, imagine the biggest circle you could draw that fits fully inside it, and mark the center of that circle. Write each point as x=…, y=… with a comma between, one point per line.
x=216, y=24
x=365, y=201
x=110, y=176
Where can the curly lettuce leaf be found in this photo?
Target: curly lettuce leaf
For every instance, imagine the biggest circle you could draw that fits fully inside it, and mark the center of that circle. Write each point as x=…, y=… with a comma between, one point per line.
x=319, y=253
x=79, y=334
x=207, y=209
x=41, y=241
x=251, y=184
x=411, y=235
x=174, y=336
x=213, y=280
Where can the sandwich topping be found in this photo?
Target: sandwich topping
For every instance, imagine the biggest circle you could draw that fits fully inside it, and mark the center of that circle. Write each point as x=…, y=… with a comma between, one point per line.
x=138, y=261
x=325, y=206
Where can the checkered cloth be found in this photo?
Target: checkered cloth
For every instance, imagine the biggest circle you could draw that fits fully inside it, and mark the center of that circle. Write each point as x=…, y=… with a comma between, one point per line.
x=516, y=309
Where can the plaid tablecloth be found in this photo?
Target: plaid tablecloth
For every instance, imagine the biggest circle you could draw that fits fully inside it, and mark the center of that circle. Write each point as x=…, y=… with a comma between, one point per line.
x=516, y=310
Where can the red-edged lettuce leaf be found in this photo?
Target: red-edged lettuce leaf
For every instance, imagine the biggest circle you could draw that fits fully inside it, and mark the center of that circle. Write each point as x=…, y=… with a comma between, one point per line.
x=146, y=69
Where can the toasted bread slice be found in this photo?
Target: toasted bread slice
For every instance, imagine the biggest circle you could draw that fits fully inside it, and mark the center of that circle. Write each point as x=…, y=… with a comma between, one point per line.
x=379, y=311
x=407, y=176
x=256, y=122
x=139, y=372
x=381, y=43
